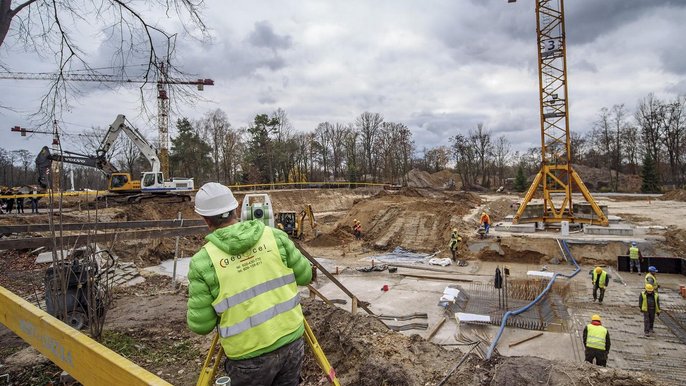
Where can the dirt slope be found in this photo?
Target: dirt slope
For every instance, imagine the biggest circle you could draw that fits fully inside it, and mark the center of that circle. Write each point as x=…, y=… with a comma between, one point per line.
x=416, y=219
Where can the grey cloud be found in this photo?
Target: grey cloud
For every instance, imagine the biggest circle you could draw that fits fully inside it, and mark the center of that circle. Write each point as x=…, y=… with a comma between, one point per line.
x=587, y=20
x=263, y=36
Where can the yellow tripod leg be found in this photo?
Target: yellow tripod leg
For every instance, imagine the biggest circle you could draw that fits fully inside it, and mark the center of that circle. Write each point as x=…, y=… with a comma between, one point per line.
x=319, y=355
x=208, y=373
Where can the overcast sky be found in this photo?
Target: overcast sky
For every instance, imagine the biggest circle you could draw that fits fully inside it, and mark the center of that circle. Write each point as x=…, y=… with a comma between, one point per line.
x=440, y=67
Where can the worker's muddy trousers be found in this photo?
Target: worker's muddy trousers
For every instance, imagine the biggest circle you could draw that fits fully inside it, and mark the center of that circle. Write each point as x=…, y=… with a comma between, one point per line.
x=600, y=356
x=280, y=367
x=648, y=321
x=595, y=293
x=634, y=264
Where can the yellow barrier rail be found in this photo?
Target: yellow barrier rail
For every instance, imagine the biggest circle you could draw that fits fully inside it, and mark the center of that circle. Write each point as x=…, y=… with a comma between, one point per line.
x=83, y=358
x=235, y=186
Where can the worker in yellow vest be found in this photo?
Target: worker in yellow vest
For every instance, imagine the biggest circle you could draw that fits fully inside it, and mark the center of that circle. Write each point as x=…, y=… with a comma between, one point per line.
x=243, y=282
x=454, y=243
x=651, y=278
x=600, y=280
x=649, y=303
x=596, y=342
x=634, y=258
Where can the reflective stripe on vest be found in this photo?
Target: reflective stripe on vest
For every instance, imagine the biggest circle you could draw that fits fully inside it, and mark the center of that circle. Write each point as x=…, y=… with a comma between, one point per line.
x=603, y=277
x=644, y=304
x=260, y=318
x=652, y=281
x=633, y=253
x=250, y=293
x=258, y=300
x=595, y=337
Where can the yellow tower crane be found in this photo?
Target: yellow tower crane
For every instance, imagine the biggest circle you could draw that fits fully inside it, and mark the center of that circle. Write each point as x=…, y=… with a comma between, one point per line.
x=557, y=179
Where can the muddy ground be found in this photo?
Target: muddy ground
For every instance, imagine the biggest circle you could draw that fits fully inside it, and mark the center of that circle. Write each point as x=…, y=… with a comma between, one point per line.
x=147, y=321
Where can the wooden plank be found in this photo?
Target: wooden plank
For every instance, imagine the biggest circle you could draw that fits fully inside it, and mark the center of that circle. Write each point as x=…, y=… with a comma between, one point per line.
x=437, y=277
x=82, y=239
x=435, y=328
x=525, y=339
x=332, y=278
x=324, y=298
x=86, y=360
x=24, y=228
x=409, y=266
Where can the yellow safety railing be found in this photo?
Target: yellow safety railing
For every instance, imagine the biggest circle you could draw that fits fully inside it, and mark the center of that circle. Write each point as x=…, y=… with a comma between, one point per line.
x=83, y=358
x=261, y=186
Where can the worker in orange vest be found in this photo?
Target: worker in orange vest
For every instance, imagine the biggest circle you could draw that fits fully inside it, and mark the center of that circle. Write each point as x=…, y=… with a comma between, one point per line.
x=485, y=221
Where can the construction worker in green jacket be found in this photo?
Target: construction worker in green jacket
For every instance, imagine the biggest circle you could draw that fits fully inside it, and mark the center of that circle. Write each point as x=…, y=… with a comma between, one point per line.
x=634, y=258
x=651, y=278
x=596, y=342
x=600, y=280
x=454, y=243
x=649, y=303
x=243, y=282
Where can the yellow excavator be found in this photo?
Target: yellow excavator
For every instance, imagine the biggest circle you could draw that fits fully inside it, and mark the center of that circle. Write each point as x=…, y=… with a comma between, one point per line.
x=152, y=183
x=293, y=223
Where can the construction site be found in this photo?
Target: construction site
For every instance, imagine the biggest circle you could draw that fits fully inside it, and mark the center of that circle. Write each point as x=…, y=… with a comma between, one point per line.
x=397, y=328
x=423, y=279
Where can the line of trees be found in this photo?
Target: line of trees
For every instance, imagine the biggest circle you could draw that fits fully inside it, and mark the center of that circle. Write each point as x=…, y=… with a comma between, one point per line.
x=650, y=141
x=269, y=150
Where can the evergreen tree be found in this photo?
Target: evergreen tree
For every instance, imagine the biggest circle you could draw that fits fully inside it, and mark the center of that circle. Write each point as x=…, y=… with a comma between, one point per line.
x=520, y=180
x=651, y=180
x=261, y=153
x=190, y=155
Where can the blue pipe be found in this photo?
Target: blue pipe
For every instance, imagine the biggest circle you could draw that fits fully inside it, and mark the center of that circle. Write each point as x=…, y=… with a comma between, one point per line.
x=538, y=298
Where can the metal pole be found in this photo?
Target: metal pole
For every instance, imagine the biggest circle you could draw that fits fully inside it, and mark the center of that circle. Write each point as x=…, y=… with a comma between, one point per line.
x=176, y=253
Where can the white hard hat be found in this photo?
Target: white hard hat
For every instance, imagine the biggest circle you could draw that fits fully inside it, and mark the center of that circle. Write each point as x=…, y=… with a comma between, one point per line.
x=214, y=199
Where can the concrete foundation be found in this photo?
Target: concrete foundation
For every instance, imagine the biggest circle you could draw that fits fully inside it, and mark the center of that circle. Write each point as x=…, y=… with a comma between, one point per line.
x=613, y=230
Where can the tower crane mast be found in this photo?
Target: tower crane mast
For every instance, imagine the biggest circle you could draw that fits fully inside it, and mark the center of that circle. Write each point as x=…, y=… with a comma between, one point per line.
x=163, y=83
x=556, y=179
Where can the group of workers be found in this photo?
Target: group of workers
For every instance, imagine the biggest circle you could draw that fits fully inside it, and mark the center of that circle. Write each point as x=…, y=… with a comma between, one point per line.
x=7, y=205
x=596, y=338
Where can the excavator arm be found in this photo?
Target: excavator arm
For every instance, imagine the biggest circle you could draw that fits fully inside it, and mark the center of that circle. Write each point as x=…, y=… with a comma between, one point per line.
x=117, y=127
x=45, y=158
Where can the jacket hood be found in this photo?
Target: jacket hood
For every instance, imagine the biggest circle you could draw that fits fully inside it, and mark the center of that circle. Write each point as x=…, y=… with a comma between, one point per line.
x=237, y=238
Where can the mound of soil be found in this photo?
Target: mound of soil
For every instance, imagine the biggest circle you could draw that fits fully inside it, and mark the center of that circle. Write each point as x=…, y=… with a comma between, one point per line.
x=501, y=208
x=443, y=179
x=402, y=219
x=676, y=240
x=674, y=195
x=519, y=256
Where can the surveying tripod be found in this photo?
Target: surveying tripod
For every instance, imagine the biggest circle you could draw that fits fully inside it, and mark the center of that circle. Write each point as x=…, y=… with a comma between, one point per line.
x=211, y=364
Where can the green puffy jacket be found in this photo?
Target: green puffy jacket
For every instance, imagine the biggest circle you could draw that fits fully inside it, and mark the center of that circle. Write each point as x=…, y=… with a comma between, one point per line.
x=203, y=286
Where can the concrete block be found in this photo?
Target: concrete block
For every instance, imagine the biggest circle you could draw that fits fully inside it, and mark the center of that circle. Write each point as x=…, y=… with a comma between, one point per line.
x=515, y=228
x=613, y=230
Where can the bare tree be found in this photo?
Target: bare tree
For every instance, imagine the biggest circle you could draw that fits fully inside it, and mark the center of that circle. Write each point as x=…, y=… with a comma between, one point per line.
x=502, y=153
x=649, y=118
x=368, y=125
x=55, y=29
x=214, y=127
x=674, y=129
x=483, y=149
x=337, y=147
